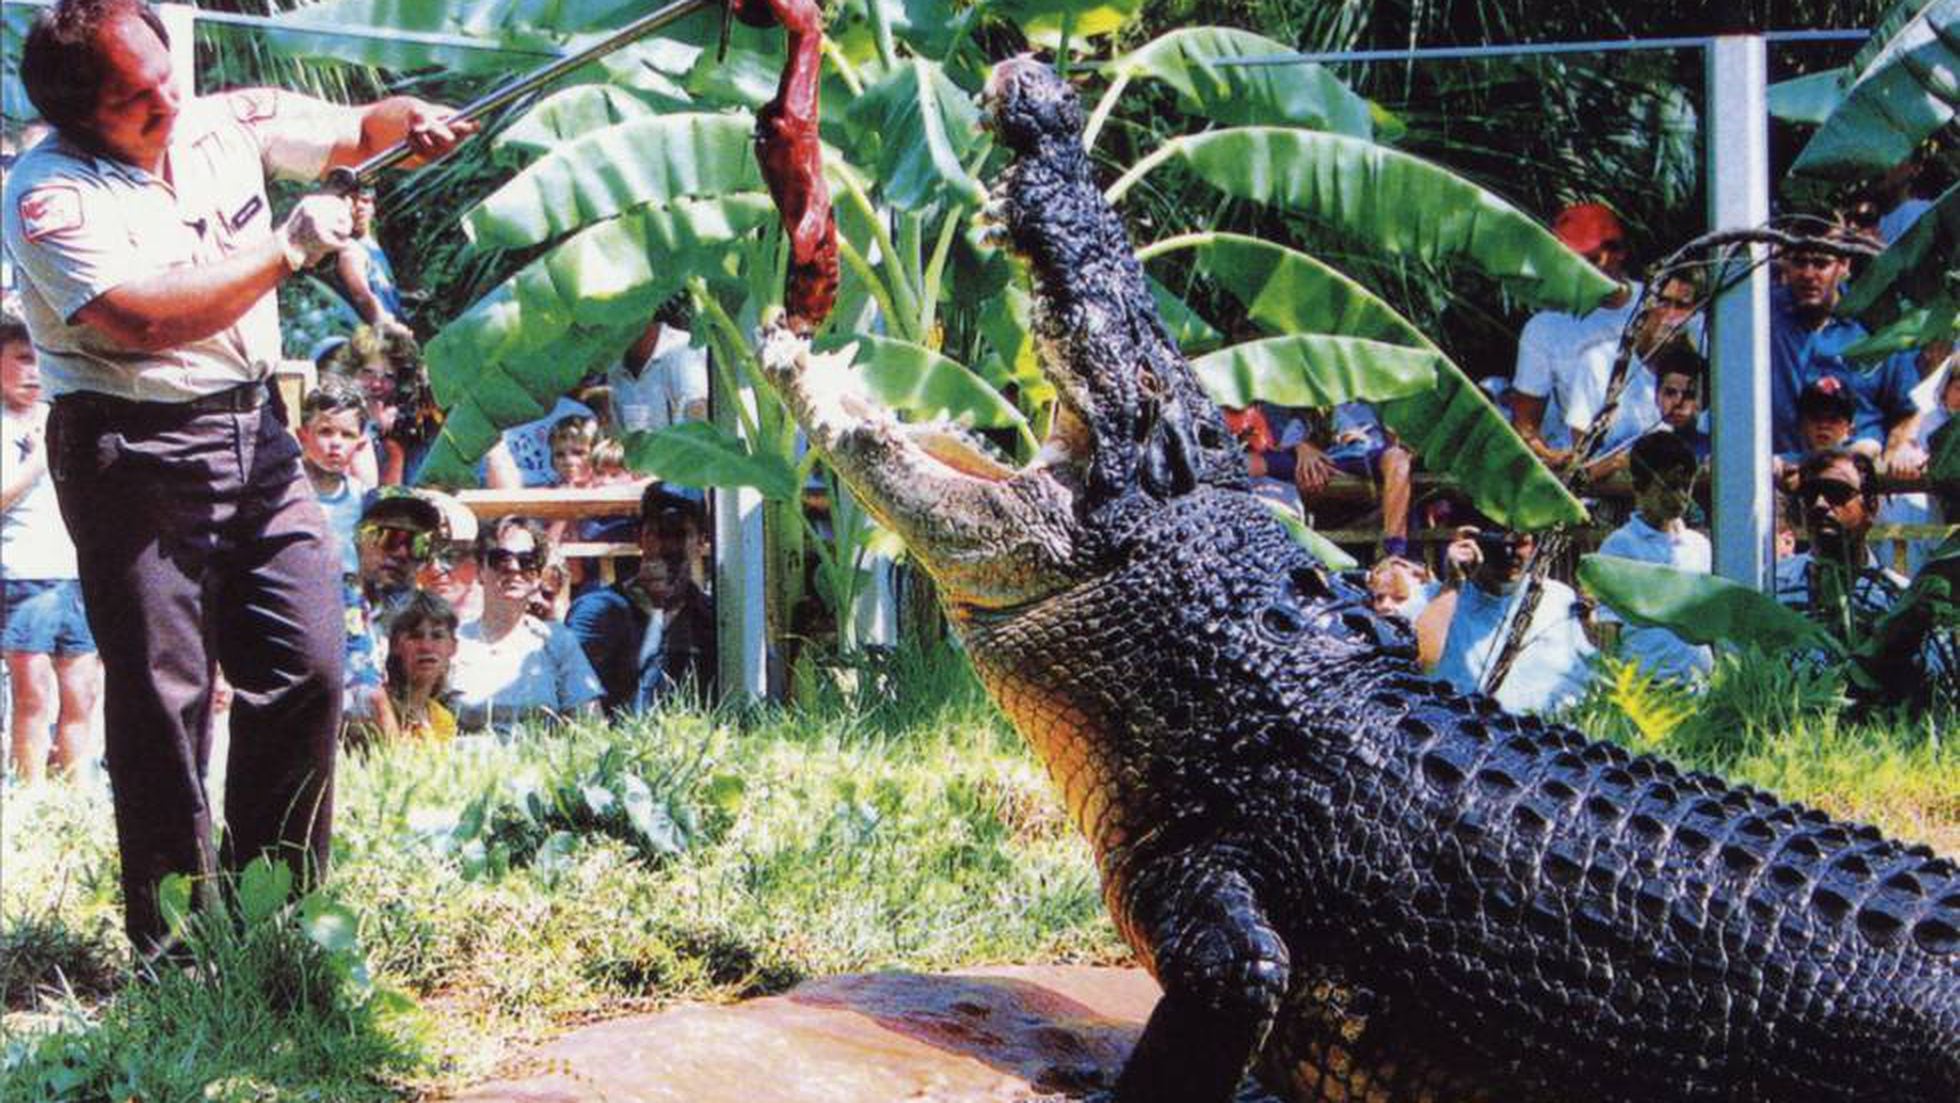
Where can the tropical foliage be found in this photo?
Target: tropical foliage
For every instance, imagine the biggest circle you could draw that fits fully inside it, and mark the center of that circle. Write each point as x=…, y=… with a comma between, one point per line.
x=638, y=183
x=1899, y=91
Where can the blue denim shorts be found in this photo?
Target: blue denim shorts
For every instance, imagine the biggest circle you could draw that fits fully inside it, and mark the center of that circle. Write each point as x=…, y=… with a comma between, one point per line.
x=43, y=616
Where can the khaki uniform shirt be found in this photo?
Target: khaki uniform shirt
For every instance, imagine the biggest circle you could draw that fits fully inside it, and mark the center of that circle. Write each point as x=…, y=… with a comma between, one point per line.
x=80, y=225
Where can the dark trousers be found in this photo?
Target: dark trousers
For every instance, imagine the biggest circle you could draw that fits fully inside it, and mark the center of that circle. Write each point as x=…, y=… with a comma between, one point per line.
x=201, y=545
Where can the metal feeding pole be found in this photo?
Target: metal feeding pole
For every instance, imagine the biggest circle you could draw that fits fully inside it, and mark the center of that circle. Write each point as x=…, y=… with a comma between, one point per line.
x=347, y=180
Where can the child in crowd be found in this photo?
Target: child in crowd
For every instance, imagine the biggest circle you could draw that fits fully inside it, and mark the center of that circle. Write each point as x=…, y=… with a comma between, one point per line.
x=421, y=647
x=1826, y=416
x=332, y=432
x=1664, y=469
x=609, y=464
x=50, y=653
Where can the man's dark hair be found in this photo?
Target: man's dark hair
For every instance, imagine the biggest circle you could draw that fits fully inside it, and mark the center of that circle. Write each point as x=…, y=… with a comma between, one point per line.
x=1677, y=357
x=1659, y=454
x=489, y=538
x=1818, y=462
x=677, y=312
x=12, y=329
x=333, y=395
x=659, y=505
x=61, y=65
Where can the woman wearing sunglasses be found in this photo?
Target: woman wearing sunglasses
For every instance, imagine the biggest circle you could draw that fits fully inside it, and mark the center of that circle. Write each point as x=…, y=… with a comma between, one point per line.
x=510, y=665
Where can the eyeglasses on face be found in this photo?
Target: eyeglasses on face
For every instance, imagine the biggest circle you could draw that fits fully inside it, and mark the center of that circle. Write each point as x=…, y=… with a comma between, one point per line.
x=504, y=559
x=1835, y=492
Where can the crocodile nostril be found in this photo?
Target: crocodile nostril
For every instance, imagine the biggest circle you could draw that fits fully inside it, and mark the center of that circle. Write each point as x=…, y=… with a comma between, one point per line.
x=1308, y=582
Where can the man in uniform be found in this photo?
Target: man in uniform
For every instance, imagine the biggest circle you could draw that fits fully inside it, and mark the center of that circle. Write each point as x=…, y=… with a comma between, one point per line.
x=149, y=255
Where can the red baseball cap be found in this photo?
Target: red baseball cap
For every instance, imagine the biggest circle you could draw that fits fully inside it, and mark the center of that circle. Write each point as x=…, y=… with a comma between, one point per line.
x=1584, y=227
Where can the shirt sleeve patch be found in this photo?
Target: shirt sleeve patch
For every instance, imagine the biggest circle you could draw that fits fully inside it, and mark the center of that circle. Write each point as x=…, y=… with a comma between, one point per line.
x=253, y=105
x=50, y=209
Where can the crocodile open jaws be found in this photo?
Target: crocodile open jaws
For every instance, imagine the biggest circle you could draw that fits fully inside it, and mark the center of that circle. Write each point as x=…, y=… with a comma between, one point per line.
x=1349, y=879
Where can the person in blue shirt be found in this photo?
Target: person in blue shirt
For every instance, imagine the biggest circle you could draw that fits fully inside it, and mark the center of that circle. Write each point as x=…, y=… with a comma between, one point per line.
x=363, y=276
x=332, y=431
x=1465, y=626
x=1807, y=343
x=653, y=634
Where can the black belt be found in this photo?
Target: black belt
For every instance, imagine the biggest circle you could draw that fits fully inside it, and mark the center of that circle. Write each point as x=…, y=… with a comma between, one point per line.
x=241, y=399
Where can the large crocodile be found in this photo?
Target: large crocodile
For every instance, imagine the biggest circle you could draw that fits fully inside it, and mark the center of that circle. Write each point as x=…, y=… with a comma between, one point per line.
x=1348, y=878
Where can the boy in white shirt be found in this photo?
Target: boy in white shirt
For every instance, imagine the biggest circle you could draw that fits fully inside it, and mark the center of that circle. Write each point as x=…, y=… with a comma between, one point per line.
x=1664, y=469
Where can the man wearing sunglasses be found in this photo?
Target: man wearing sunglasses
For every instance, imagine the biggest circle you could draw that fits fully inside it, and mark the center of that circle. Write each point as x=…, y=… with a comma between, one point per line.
x=1837, y=501
x=652, y=634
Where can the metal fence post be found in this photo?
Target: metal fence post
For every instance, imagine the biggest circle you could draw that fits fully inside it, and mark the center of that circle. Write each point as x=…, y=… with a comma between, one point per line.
x=1738, y=198
x=740, y=589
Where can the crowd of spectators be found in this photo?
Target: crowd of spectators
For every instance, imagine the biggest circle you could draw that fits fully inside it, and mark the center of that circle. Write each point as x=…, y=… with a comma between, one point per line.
x=453, y=625
x=499, y=625
x=1845, y=431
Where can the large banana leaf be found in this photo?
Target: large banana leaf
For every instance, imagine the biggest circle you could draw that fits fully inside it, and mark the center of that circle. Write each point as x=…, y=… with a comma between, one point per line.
x=1400, y=205
x=1191, y=332
x=1314, y=370
x=1046, y=22
x=702, y=454
x=651, y=160
x=568, y=114
x=1453, y=426
x=1699, y=608
x=930, y=27
x=914, y=379
x=1297, y=94
x=1888, y=26
x=1907, y=94
x=534, y=27
x=1329, y=553
x=1915, y=329
x=1921, y=268
x=917, y=129
x=509, y=357
x=1810, y=98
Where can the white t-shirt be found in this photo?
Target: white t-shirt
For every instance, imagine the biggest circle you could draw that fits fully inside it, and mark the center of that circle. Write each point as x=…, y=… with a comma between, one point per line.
x=1659, y=651
x=674, y=378
x=34, y=540
x=1551, y=668
x=538, y=665
x=1566, y=359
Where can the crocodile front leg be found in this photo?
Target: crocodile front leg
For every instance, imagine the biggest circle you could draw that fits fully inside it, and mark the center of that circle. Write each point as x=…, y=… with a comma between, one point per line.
x=1224, y=972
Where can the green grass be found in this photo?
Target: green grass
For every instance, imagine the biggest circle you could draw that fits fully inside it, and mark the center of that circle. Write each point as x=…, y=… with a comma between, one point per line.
x=509, y=892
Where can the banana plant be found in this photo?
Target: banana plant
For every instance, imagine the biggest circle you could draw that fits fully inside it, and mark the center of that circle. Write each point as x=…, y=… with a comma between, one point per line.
x=1901, y=89
x=638, y=182
x=1878, y=651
